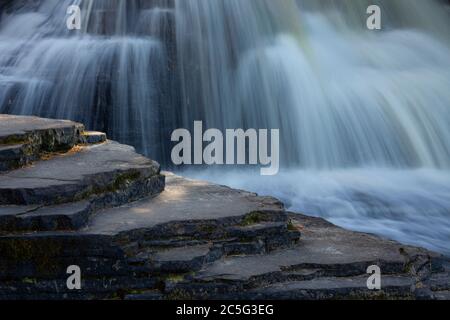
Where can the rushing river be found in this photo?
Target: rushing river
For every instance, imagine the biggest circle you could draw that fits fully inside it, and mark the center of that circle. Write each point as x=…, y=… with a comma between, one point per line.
x=364, y=116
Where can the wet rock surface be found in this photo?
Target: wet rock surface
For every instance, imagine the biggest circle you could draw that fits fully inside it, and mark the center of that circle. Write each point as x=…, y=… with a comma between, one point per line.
x=137, y=233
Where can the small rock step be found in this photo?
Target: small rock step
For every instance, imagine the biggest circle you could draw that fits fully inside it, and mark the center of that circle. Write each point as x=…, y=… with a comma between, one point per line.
x=258, y=230
x=70, y=217
x=11, y=152
x=187, y=208
x=14, y=156
x=89, y=172
x=177, y=260
x=23, y=139
x=93, y=137
x=187, y=259
x=334, y=288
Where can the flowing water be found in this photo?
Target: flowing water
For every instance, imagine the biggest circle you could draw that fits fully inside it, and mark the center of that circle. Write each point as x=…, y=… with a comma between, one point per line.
x=364, y=116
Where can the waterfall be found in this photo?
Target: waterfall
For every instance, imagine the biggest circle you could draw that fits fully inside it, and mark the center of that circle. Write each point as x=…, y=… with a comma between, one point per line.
x=341, y=95
x=112, y=75
x=363, y=115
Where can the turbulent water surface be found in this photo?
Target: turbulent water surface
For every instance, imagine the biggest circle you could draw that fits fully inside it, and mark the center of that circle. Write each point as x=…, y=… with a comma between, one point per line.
x=364, y=115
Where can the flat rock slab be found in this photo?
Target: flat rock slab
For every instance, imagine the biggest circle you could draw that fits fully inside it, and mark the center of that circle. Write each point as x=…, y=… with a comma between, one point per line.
x=334, y=288
x=184, y=259
x=183, y=200
x=69, y=216
x=182, y=253
x=75, y=175
x=324, y=247
x=20, y=126
x=23, y=139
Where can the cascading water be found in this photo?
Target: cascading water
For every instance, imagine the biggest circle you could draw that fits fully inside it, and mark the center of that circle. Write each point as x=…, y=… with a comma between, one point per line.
x=363, y=115
x=111, y=76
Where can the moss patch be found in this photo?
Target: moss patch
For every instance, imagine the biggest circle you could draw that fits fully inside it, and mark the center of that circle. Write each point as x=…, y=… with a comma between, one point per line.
x=119, y=183
x=124, y=179
x=291, y=226
x=29, y=281
x=175, y=277
x=14, y=139
x=252, y=218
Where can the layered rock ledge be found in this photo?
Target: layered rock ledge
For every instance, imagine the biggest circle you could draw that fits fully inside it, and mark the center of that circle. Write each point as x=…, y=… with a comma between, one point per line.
x=137, y=233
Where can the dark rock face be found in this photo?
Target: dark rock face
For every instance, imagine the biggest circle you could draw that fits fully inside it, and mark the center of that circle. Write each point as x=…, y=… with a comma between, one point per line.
x=327, y=263
x=92, y=137
x=25, y=139
x=67, y=178
x=139, y=247
x=138, y=234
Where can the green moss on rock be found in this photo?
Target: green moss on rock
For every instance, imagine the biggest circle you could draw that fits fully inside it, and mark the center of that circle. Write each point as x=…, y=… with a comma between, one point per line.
x=252, y=218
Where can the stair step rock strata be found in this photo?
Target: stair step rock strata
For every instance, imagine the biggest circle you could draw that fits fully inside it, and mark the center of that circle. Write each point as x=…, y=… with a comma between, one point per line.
x=137, y=233
x=94, y=137
x=74, y=176
x=24, y=139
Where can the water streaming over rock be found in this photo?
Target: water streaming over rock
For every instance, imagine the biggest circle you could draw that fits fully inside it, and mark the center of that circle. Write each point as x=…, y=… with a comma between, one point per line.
x=364, y=115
